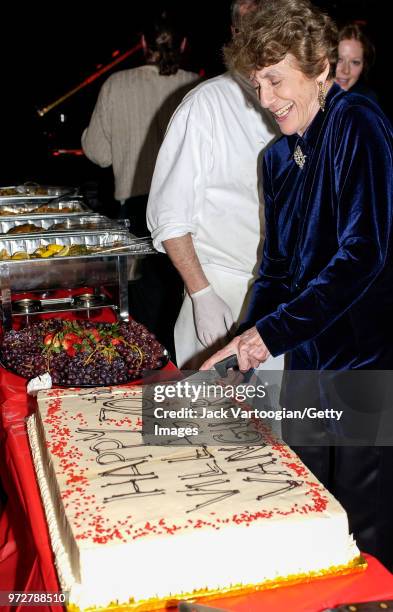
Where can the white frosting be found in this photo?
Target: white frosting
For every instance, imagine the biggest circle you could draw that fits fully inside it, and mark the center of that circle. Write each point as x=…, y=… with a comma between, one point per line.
x=66, y=576
x=133, y=521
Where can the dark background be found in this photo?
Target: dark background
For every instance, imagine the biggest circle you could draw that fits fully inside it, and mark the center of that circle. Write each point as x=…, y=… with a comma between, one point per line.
x=47, y=52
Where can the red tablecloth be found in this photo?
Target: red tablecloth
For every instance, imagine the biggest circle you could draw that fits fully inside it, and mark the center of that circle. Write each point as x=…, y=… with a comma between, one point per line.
x=26, y=559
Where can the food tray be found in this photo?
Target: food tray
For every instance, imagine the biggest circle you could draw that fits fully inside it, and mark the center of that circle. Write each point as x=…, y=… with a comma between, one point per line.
x=116, y=241
x=80, y=342
x=33, y=191
x=164, y=362
x=92, y=269
x=25, y=209
x=86, y=223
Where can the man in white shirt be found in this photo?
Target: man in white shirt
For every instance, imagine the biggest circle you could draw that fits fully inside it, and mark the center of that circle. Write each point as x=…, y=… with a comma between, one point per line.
x=204, y=207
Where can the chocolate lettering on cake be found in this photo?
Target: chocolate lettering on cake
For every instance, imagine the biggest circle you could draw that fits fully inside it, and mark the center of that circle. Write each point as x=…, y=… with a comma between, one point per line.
x=102, y=458
x=85, y=394
x=214, y=468
x=197, y=489
x=104, y=444
x=133, y=478
x=92, y=434
x=106, y=448
x=260, y=468
x=127, y=406
x=235, y=431
x=287, y=485
x=115, y=472
x=102, y=449
x=251, y=452
x=109, y=445
x=245, y=453
x=211, y=401
x=198, y=452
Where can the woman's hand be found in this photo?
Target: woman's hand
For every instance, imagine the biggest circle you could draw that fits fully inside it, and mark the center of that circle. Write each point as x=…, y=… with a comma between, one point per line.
x=249, y=348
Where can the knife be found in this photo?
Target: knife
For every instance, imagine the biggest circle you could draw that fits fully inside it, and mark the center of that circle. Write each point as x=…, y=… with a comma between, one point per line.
x=228, y=363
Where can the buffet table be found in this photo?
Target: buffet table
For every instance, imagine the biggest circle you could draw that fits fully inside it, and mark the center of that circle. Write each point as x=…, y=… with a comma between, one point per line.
x=26, y=559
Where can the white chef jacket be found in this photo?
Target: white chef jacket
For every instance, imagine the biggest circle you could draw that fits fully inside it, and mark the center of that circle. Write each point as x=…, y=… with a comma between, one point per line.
x=205, y=178
x=205, y=183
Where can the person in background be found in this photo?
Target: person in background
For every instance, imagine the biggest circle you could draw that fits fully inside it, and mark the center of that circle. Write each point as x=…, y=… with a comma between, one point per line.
x=204, y=208
x=324, y=292
x=356, y=56
x=125, y=131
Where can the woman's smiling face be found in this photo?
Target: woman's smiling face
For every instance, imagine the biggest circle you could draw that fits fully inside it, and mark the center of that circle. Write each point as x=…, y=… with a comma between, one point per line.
x=288, y=94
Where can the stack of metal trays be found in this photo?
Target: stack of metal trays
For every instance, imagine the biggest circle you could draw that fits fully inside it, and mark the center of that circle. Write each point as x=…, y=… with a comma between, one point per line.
x=50, y=239
x=24, y=201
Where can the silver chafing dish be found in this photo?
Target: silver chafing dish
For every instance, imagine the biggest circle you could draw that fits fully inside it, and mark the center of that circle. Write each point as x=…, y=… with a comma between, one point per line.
x=91, y=222
x=33, y=191
x=113, y=258
x=25, y=209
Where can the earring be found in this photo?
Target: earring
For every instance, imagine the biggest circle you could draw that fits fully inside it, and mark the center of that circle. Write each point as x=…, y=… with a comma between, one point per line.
x=321, y=95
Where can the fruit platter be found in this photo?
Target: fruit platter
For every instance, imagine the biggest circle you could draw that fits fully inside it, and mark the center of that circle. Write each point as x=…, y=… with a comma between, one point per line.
x=82, y=353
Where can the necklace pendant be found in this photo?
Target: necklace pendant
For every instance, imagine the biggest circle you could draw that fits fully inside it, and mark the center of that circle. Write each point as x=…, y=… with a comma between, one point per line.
x=299, y=157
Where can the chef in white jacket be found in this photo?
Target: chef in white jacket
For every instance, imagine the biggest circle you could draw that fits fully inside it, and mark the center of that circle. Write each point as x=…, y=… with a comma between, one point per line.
x=204, y=209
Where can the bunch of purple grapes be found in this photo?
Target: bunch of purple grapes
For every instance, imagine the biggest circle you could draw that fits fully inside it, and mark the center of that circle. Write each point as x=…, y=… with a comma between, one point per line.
x=122, y=353
x=75, y=372
x=21, y=351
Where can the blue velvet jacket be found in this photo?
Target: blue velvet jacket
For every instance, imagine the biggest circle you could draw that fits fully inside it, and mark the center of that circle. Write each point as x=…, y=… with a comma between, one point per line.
x=325, y=287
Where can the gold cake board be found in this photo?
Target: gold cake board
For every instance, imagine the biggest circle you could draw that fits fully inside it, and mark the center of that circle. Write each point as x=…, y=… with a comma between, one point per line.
x=357, y=565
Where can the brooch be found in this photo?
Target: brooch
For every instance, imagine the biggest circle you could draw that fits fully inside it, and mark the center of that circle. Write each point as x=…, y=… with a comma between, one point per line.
x=299, y=157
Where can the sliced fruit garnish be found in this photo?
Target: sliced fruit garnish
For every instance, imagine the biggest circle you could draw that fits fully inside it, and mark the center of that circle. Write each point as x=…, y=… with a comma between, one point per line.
x=63, y=252
x=95, y=333
x=70, y=339
x=54, y=248
x=39, y=251
x=52, y=340
x=20, y=255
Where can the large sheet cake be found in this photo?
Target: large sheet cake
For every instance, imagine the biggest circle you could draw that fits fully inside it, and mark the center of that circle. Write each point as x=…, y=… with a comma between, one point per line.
x=131, y=522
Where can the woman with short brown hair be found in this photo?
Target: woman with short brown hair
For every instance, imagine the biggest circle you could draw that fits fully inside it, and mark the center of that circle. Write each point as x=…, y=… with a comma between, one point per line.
x=324, y=293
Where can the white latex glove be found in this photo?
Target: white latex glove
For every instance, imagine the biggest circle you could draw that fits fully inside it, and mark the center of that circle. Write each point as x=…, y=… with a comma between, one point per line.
x=213, y=317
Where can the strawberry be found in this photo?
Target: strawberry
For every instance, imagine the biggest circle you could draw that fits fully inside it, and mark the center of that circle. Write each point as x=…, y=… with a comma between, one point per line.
x=115, y=341
x=51, y=340
x=71, y=351
x=95, y=333
x=70, y=339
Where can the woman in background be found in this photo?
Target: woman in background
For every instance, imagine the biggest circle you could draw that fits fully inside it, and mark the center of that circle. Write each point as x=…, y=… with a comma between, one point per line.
x=356, y=56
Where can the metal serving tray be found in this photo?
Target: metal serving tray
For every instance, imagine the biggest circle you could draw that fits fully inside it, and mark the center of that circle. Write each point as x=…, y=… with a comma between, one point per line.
x=117, y=249
x=33, y=191
x=105, y=239
x=47, y=223
x=24, y=208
